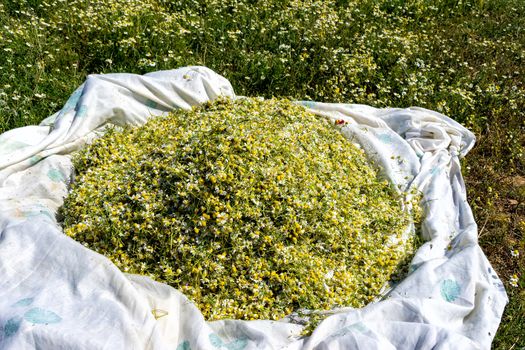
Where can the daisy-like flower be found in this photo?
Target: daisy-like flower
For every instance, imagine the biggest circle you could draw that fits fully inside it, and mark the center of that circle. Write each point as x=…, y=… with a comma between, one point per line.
x=251, y=208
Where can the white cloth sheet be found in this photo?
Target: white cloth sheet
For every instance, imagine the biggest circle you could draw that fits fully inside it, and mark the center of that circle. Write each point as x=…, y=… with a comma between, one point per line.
x=57, y=294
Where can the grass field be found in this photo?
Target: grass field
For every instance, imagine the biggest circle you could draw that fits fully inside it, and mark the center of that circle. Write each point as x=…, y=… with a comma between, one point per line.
x=464, y=58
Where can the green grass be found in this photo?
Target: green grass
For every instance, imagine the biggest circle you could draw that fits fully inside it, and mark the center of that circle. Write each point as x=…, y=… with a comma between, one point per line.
x=463, y=58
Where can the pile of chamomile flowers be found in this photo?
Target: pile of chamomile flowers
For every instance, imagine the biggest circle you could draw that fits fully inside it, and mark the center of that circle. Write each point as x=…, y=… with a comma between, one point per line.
x=252, y=208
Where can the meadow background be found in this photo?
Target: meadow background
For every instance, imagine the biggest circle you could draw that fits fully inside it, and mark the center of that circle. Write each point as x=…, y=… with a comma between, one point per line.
x=464, y=58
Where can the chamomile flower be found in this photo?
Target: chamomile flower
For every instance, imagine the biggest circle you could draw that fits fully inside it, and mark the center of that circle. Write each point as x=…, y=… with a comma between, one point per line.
x=251, y=208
